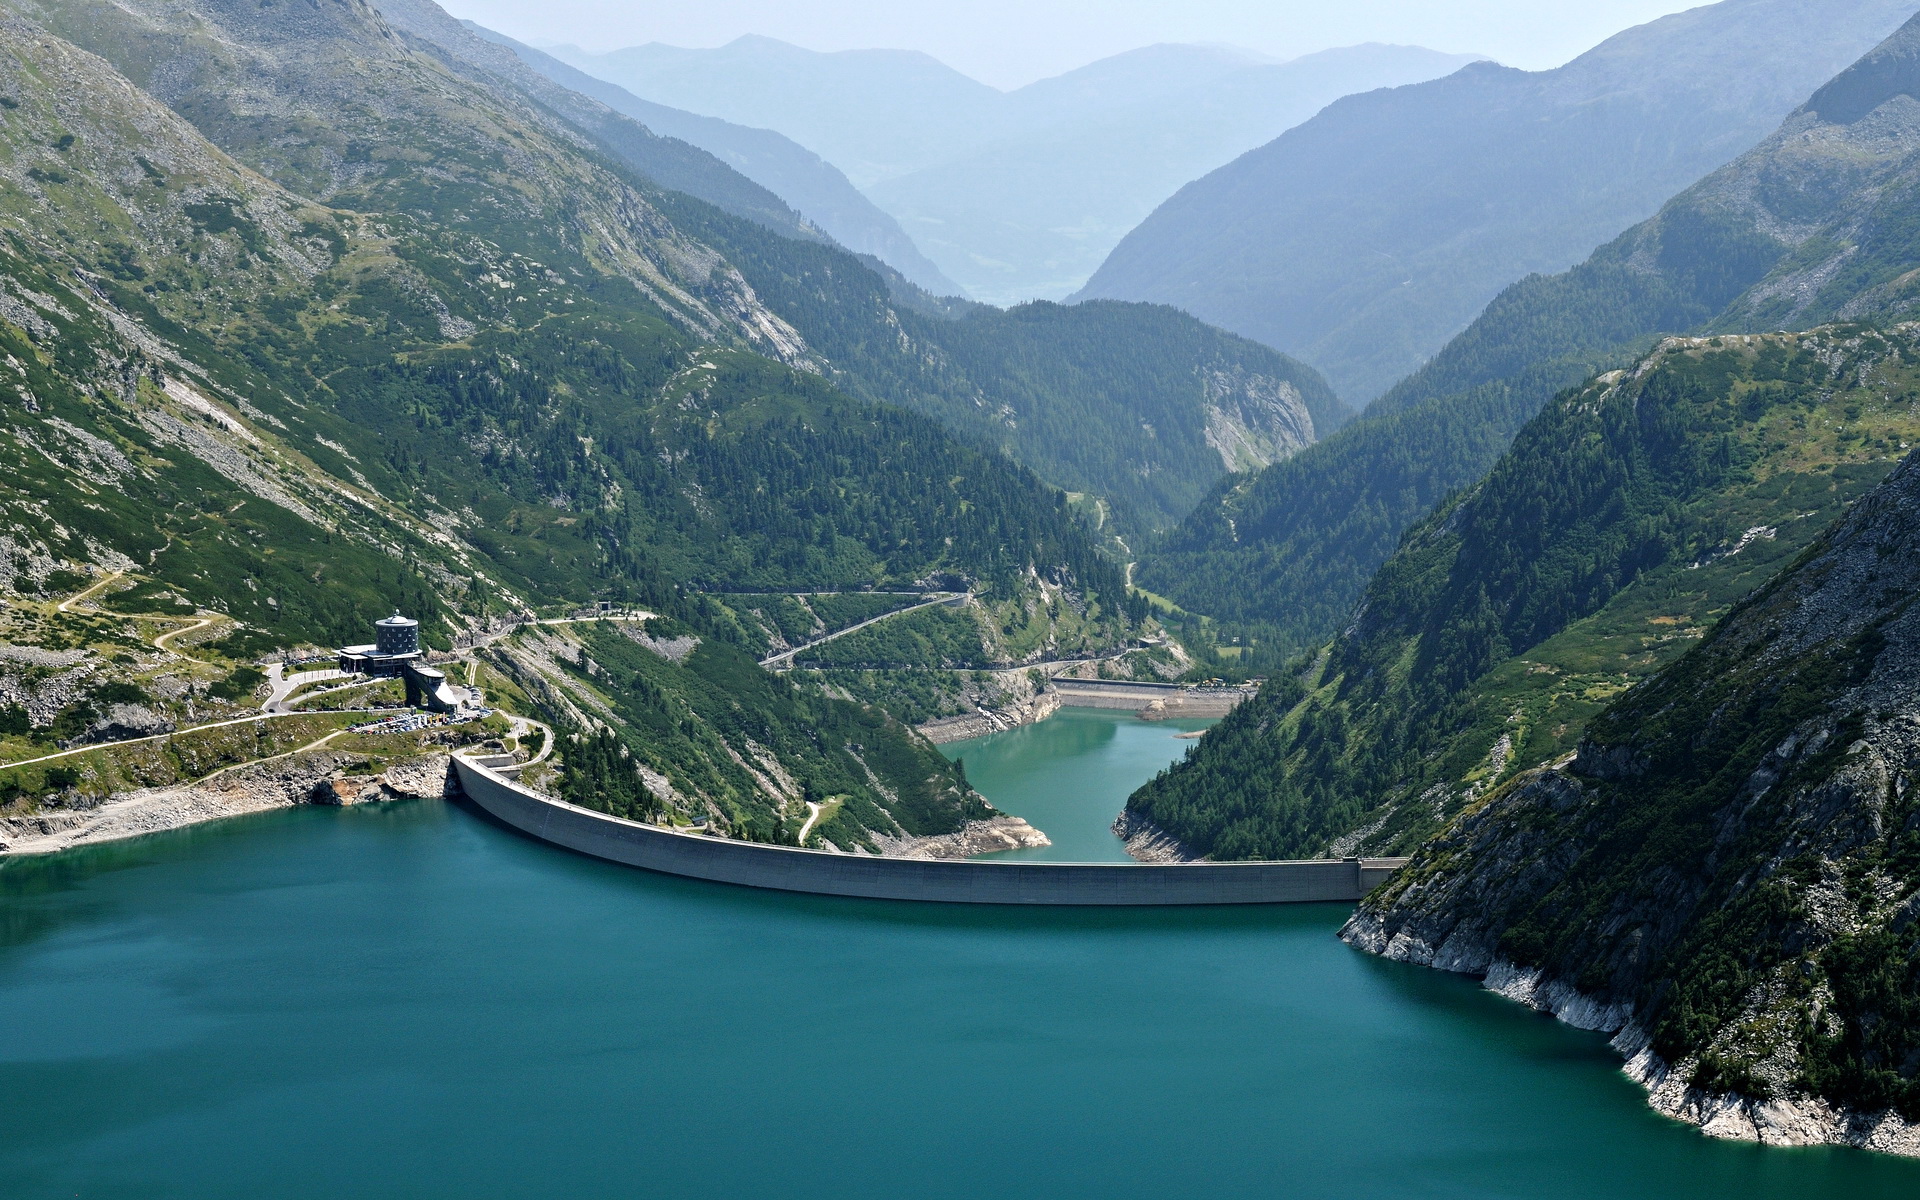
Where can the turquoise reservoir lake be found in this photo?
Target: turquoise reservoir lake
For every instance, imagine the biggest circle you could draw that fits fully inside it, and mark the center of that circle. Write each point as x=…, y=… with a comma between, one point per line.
x=1070, y=776
x=408, y=1001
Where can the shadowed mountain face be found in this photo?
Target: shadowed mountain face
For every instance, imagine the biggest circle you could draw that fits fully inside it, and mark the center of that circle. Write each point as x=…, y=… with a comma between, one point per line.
x=1364, y=239
x=1809, y=226
x=1021, y=194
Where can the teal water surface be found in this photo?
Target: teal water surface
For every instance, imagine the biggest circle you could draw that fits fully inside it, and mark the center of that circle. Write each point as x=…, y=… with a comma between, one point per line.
x=408, y=1001
x=1070, y=776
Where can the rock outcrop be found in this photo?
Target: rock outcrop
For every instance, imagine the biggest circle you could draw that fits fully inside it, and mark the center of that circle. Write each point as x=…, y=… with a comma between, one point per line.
x=311, y=778
x=1016, y=712
x=413, y=779
x=1148, y=842
x=1727, y=877
x=977, y=837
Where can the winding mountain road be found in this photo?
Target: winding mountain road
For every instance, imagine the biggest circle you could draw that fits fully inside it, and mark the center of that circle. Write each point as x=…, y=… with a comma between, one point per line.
x=77, y=597
x=152, y=737
x=784, y=659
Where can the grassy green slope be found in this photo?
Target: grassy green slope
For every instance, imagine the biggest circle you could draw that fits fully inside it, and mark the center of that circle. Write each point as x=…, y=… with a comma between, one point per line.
x=1624, y=520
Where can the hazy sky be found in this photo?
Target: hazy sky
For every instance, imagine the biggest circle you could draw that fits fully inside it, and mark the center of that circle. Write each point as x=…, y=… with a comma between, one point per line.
x=1011, y=42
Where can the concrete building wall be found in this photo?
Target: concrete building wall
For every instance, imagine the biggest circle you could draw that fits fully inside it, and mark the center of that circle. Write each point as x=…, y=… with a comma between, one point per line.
x=957, y=881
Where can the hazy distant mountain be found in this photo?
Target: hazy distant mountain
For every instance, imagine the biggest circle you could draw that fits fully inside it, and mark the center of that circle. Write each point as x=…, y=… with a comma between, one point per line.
x=1089, y=155
x=1813, y=225
x=1366, y=237
x=814, y=187
x=1015, y=194
x=872, y=113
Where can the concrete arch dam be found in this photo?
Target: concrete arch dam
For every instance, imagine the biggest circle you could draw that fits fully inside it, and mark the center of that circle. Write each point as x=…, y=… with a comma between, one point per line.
x=961, y=881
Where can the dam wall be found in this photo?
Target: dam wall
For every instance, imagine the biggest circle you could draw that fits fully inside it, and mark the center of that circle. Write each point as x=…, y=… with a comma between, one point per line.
x=962, y=881
x=1163, y=700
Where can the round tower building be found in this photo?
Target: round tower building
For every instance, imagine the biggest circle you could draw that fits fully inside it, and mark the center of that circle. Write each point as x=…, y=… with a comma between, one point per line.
x=396, y=635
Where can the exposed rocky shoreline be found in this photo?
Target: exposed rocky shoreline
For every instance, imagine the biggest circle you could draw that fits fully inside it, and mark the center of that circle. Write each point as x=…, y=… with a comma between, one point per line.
x=977, y=837
x=992, y=720
x=1149, y=843
x=1794, y=1120
x=312, y=778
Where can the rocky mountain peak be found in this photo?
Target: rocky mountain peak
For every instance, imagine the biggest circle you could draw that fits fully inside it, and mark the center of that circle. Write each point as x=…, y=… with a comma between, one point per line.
x=1890, y=69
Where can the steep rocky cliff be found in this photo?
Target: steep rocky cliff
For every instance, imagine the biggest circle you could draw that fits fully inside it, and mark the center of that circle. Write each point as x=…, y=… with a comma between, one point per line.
x=1728, y=873
x=1624, y=520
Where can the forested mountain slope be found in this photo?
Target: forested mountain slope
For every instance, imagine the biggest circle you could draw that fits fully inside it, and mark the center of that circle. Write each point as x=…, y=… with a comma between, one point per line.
x=1625, y=518
x=1140, y=406
x=473, y=368
x=544, y=173
x=1727, y=873
x=1364, y=239
x=1192, y=404
x=1807, y=226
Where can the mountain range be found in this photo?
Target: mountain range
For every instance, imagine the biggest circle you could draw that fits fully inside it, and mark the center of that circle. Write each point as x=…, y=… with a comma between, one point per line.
x=1605, y=484
x=815, y=188
x=309, y=314
x=1601, y=615
x=1362, y=240
x=1759, y=244
x=1637, y=700
x=1017, y=195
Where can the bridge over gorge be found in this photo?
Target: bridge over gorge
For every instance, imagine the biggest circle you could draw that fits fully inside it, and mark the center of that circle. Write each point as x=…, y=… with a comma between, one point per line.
x=486, y=784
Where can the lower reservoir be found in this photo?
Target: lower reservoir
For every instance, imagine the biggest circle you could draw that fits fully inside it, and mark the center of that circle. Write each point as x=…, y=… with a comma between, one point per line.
x=1070, y=775
x=410, y=1001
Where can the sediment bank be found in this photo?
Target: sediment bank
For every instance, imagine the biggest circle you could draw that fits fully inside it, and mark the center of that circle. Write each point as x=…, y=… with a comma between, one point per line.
x=977, y=837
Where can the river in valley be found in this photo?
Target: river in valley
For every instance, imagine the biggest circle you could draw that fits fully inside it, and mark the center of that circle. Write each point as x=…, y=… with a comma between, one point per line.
x=409, y=1001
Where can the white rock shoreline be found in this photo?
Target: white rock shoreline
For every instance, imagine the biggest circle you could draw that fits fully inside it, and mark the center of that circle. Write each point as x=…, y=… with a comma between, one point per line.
x=1785, y=1121
x=1147, y=842
x=311, y=778
x=976, y=837
x=991, y=720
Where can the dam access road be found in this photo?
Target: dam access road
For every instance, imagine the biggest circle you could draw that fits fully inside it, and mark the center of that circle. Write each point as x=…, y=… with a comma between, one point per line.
x=960, y=881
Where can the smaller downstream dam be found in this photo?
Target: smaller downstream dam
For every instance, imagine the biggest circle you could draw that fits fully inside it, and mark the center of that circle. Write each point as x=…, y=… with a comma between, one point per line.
x=962, y=881
x=1150, y=700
